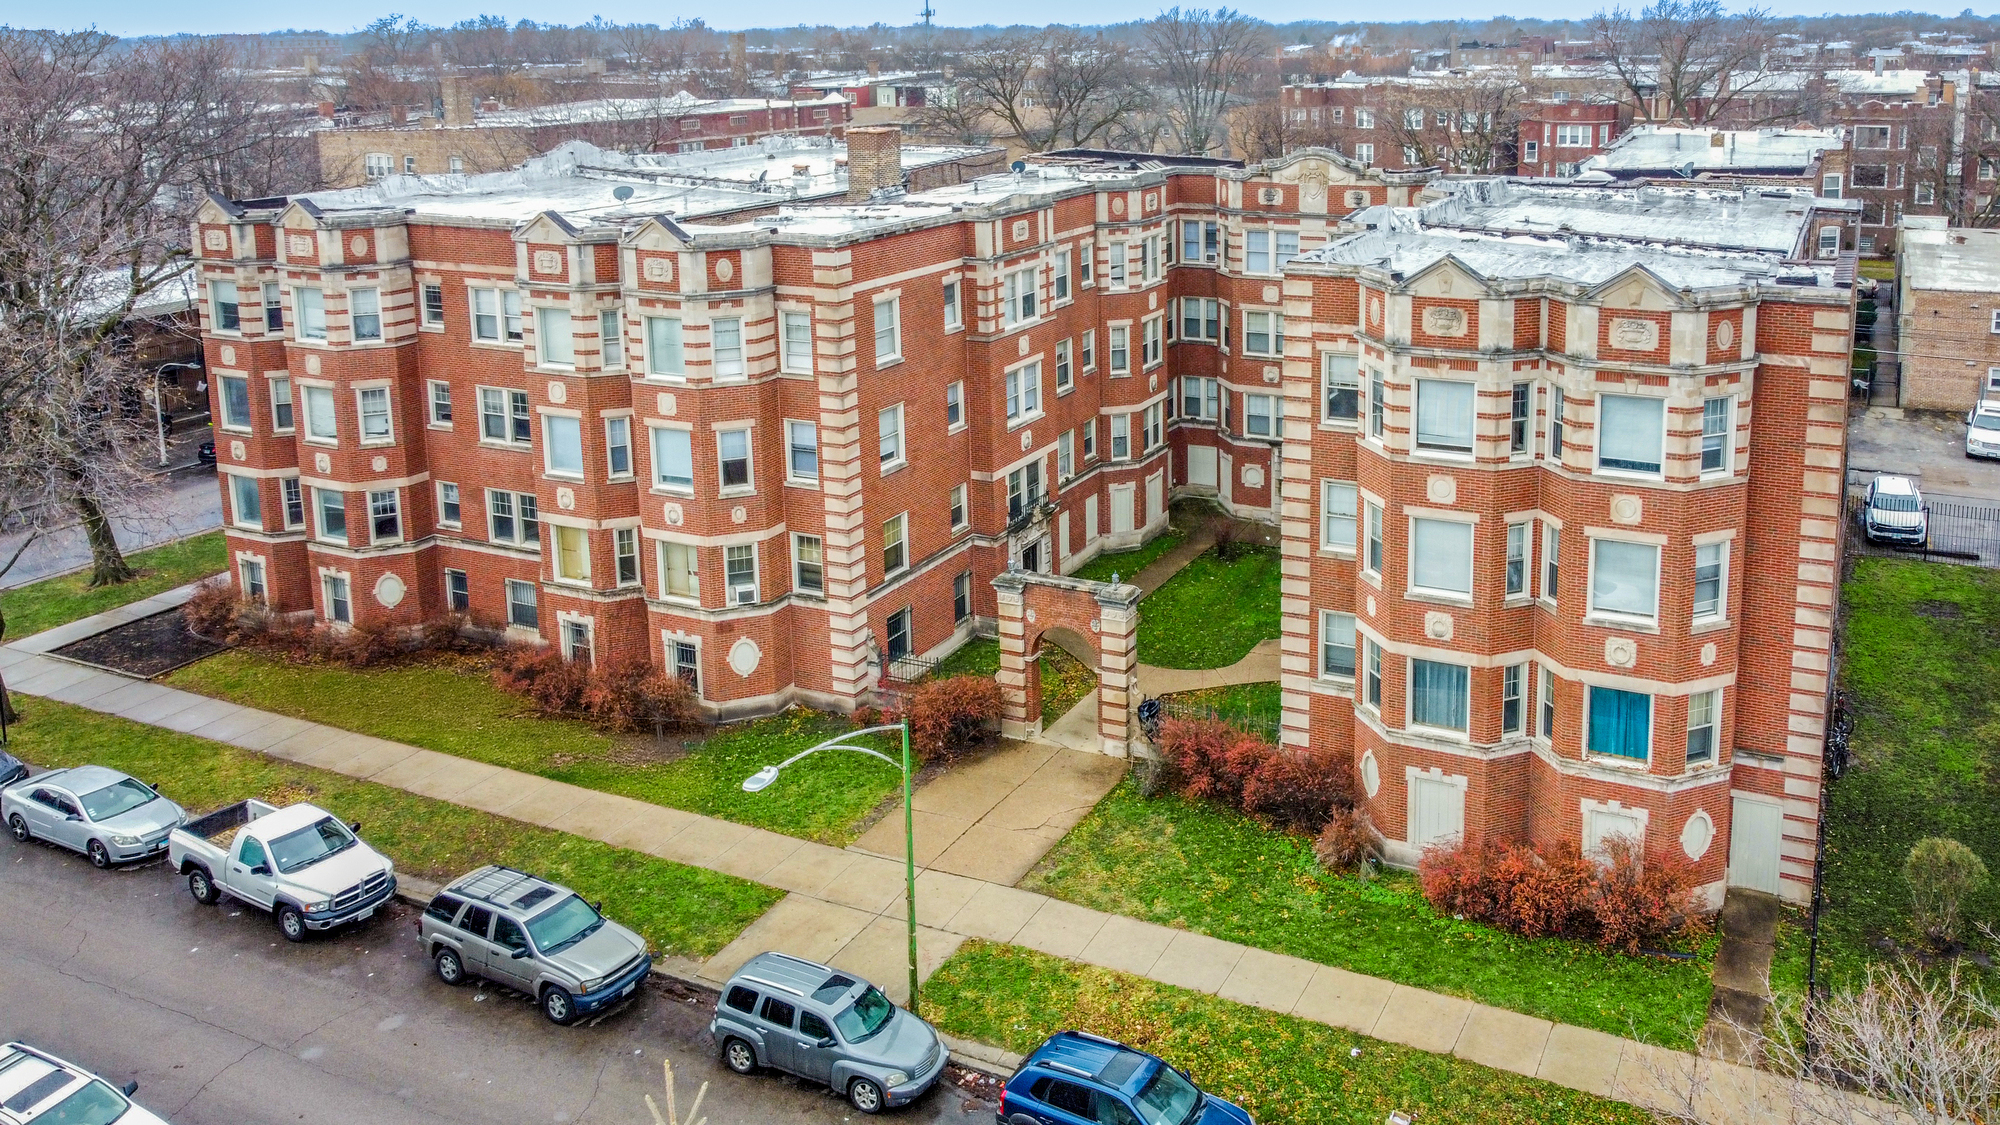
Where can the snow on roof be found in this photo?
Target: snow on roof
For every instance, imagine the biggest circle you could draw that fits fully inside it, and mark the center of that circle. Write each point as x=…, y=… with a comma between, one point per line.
x=174, y=292
x=1660, y=148
x=681, y=104
x=1750, y=219
x=858, y=79
x=1962, y=259
x=576, y=180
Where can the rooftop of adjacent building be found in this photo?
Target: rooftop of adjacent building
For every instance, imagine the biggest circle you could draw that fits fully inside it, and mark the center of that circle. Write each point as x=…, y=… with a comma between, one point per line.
x=1961, y=259
x=1673, y=149
x=577, y=180
x=1766, y=220
x=856, y=79
x=681, y=104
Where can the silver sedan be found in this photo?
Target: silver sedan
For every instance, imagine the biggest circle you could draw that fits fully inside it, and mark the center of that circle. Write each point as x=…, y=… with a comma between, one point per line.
x=108, y=816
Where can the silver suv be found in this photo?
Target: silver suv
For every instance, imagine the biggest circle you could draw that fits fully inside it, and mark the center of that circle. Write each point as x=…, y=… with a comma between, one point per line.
x=828, y=1026
x=527, y=933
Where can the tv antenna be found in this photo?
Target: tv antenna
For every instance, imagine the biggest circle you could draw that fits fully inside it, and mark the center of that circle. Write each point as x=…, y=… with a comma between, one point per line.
x=927, y=13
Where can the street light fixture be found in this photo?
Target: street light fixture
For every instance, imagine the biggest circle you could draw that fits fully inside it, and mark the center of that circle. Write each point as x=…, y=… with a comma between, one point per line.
x=762, y=779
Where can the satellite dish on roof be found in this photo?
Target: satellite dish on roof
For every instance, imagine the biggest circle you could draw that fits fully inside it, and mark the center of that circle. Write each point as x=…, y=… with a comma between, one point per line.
x=1020, y=166
x=622, y=192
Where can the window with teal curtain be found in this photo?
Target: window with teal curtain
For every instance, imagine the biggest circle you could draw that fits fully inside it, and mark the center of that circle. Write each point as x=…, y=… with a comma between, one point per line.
x=1438, y=694
x=1621, y=723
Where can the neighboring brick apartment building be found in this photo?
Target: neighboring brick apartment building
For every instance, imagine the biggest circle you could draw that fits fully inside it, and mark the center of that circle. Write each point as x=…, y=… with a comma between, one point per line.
x=1559, y=133
x=1563, y=518
x=770, y=452
x=469, y=140
x=1948, y=315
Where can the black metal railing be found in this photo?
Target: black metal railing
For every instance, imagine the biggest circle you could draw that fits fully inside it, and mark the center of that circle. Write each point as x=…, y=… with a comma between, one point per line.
x=908, y=669
x=1258, y=722
x=1961, y=531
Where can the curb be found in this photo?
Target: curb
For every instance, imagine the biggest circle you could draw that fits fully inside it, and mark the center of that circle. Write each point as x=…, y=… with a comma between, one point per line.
x=994, y=1062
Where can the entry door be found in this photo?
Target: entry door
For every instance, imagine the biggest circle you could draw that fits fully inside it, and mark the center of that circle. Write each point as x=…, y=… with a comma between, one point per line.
x=1121, y=508
x=1031, y=555
x=1755, y=827
x=1156, y=497
x=1201, y=466
x=1226, y=477
x=1437, y=811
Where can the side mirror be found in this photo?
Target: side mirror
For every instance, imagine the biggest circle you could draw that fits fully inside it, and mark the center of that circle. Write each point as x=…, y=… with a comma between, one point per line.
x=354, y=826
x=260, y=869
x=825, y=1041
x=520, y=953
x=598, y=906
x=73, y=817
x=129, y=1088
x=1184, y=1073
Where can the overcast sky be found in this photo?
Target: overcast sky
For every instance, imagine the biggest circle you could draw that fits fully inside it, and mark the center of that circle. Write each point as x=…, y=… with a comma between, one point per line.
x=151, y=17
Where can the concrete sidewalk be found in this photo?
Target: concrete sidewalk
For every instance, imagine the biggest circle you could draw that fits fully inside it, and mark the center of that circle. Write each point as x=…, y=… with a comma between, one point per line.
x=846, y=907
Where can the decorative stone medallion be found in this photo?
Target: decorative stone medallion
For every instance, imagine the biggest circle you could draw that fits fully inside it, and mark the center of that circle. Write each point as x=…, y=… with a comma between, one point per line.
x=237, y=450
x=312, y=364
x=668, y=404
x=658, y=269
x=1441, y=488
x=1437, y=625
x=1697, y=834
x=389, y=591
x=1021, y=230
x=566, y=498
x=299, y=246
x=1444, y=320
x=1708, y=654
x=671, y=512
x=738, y=514
x=322, y=462
x=215, y=239
x=548, y=261
x=358, y=246
x=724, y=269
x=1634, y=335
x=558, y=391
x=1371, y=605
x=229, y=355
x=1371, y=773
x=1118, y=205
x=1626, y=509
x=1621, y=652
x=744, y=656
x=1270, y=294
x=379, y=464
x=1725, y=335
x=1253, y=476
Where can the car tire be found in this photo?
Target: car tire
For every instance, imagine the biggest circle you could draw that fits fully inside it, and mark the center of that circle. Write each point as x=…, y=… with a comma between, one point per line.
x=19, y=827
x=100, y=856
x=558, y=1005
x=1023, y=1119
x=202, y=886
x=291, y=923
x=739, y=1056
x=863, y=1094
x=450, y=969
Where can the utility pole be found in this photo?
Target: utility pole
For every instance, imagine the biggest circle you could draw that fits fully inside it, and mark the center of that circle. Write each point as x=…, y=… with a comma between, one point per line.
x=927, y=13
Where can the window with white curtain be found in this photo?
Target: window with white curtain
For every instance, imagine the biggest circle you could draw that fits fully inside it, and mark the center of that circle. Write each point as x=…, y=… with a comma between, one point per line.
x=796, y=342
x=1631, y=433
x=1624, y=578
x=1709, y=560
x=1336, y=644
x=1438, y=694
x=1444, y=415
x=555, y=337
x=664, y=354
x=1338, y=501
x=673, y=458
x=562, y=444
x=725, y=338
x=1441, y=556
x=1702, y=708
x=1517, y=559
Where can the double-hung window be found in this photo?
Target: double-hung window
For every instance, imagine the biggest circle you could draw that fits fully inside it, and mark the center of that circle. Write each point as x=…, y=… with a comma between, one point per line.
x=732, y=452
x=450, y=511
x=1703, y=723
x=522, y=609
x=1621, y=723
x=1155, y=435
x=562, y=445
x=1511, y=700
x=1024, y=392
x=1517, y=559
x=1631, y=433
x=1121, y=436
x=1340, y=382
x=1336, y=644
x=680, y=571
x=1063, y=372
x=625, y=553
x=1378, y=406
x=510, y=314
x=1059, y=284
x=957, y=505
x=1439, y=694
x=373, y=406
x=1551, y=556
x=797, y=342
x=1444, y=415
x=1263, y=333
x=310, y=304
x=1018, y=291
x=339, y=607
x=1116, y=275
x=320, y=424
x=1337, y=506
x=330, y=512
x=555, y=337
x=665, y=354
x=274, y=307
x=1260, y=415
x=802, y=451
x=888, y=331
x=1120, y=337
x=433, y=305
x=1441, y=557
x=385, y=516
x=440, y=403
x=295, y=501
x=953, y=318
x=1201, y=397
x=1710, y=560
x=364, y=308
x=245, y=503
x=895, y=551
x=1087, y=350
x=1517, y=419
x=611, y=339
x=513, y=518
x=1267, y=251
x=1201, y=319
x=725, y=342
x=1624, y=578
x=1715, y=434
x=1547, y=686
x=1149, y=341
x=1373, y=526
x=889, y=437
x=954, y=406
x=673, y=459
x=572, y=553
x=224, y=312
x=1065, y=455
x=503, y=415
x=618, y=446
x=1372, y=694
x=234, y=391
x=739, y=573
x=808, y=564
x=1024, y=489
x=486, y=315
x=457, y=591
x=1555, y=424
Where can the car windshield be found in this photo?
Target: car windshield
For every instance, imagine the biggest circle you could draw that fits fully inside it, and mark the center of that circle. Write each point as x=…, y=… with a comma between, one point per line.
x=1886, y=502
x=116, y=799
x=296, y=851
x=868, y=1014
x=93, y=1104
x=563, y=924
x=1167, y=1098
x=1986, y=421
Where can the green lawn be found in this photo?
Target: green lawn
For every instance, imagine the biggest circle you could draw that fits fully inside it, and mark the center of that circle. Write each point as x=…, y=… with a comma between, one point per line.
x=1881, y=269
x=681, y=910
x=1213, y=612
x=1065, y=681
x=1125, y=564
x=1203, y=868
x=1922, y=674
x=1283, y=1069
x=452, y=707
x=979, y=656
x=58, y=601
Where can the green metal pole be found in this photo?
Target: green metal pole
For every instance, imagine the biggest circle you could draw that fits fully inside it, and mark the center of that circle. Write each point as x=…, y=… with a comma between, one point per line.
x=910, y=868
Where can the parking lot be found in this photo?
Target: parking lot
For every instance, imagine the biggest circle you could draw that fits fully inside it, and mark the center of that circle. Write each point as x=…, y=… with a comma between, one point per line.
x=223, y=1022
x=1925, y=446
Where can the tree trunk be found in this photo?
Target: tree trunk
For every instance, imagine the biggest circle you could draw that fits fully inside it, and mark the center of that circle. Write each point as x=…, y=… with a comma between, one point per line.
x=107, y=563
x=7, y=712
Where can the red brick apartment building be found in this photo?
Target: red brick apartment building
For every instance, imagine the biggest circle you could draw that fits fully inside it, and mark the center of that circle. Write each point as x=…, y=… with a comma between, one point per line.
x=1543, y=491
x=1558, y=134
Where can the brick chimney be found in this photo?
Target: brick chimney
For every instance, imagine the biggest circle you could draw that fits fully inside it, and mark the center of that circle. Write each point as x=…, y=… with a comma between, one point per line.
x=874, y=160
x=326, y=110
x=457, y=100
x=399, y=114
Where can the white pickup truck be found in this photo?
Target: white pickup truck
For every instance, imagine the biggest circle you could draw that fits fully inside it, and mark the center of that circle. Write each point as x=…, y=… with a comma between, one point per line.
x=299, y=862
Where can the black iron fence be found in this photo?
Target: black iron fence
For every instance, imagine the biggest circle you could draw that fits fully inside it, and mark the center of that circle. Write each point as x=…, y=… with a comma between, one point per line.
x=1255, y=721
x=908, y=669
x=1962, y=531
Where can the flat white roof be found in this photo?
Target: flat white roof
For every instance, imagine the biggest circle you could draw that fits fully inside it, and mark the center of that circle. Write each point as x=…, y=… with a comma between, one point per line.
x=1767, y=220
x=1659, y=148
x=1961, y=259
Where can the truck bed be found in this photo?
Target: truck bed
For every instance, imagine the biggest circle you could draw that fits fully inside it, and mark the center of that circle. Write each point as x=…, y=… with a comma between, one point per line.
x=218, y=825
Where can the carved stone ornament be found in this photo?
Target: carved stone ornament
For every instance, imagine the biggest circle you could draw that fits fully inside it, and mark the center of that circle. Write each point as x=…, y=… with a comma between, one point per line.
x=1444, y=320
x=1621, y=652
x=1253, y=476
x=724, y=269
x=738, y=514
x=1634, y=335
x=358, y=246
x=237, y=451
x=1626, y=510
x=228, y=355
x=1697, y=834
x=312, y=364
x=389, y=591
x=548, y=261
x=322, y=463
x=558, y=392
x=672, y=513
x=658, y=269
x=1271, y=294
x=379, y=464
x=1118, y=205
x=1725, y=335
x=566, y=498
x=215, y=239
x=1708, y=654
x=1371, y=773
x=1371, y=605
x=1021, y=230
x=1438, y=625
x=1441, y=488
x=299, y=245
x=668, y=404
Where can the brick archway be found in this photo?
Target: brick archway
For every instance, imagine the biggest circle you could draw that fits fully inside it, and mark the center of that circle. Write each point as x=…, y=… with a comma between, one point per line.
x=1032, y=604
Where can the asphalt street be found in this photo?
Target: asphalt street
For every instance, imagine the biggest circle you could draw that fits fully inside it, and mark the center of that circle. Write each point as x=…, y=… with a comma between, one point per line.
x=222, y=1022
x=187, y=502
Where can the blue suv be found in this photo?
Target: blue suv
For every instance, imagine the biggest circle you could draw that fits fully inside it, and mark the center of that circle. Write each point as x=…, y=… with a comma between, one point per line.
x=1080, y=1079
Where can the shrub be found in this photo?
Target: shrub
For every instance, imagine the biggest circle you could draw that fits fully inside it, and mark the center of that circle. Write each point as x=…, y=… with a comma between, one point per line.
x=554, y=685
x=1348, y=840
x=951, y=716
x=213, y=610
x=366, y=645
x=1456, y=878
x=1622, y=903
x=1299, y=791
x=1643, y=901
x=1208, y=759
x=1544, y=895
x=1941, y=872
x=634, y=696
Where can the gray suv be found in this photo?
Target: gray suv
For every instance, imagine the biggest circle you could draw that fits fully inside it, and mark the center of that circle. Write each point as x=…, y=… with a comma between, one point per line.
x=827, y=1026
x=533, y=935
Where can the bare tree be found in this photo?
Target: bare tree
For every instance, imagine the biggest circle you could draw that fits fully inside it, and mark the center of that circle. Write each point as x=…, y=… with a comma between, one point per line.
x=103, y=155
x=1459, y=122
x=1683, y=60
x=1266, y=129
x=1062, y=86
x=1205, y=57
